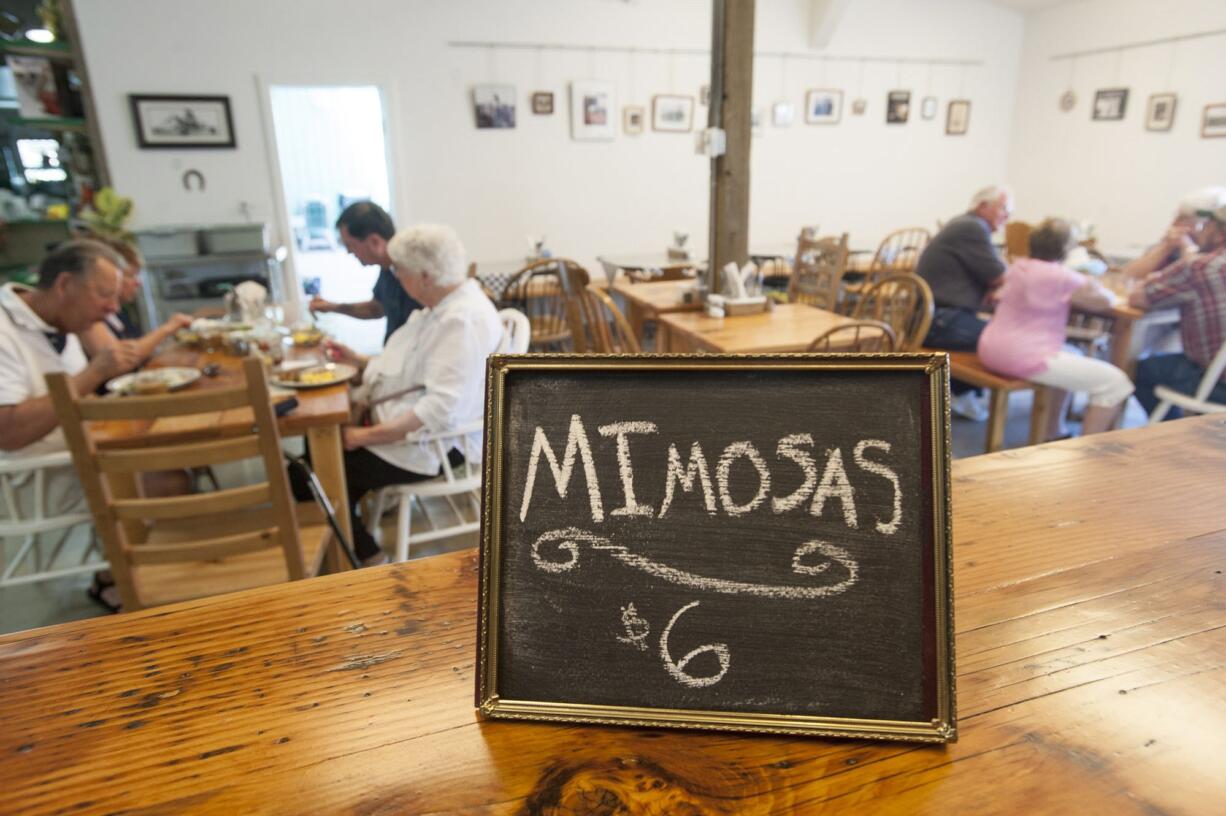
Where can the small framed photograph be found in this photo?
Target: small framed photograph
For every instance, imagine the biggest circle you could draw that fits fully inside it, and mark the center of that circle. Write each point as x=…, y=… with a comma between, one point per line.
x=783, y=114
x=958, y=117
x=182, y=121
x=672, y=113
x=858, y=107
x=632, y=120
x=1213, y=124
x=1110, y=104
x=542, y=103
x=897, y=107
x=593, y=108
x=1160, y=113
x=928, y=108
x=494, y=106
x=823, y=106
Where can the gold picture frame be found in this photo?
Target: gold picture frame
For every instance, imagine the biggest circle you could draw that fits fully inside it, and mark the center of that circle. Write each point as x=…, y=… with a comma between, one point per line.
x=933, y=520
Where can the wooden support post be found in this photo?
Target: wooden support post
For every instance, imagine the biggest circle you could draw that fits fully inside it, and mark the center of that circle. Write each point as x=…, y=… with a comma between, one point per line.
x=731, y=109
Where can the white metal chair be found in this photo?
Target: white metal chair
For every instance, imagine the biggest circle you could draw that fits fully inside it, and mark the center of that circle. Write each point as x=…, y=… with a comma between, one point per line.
x=1199, y=402
x=516, y=331
x=457, y=485
x=39, y=555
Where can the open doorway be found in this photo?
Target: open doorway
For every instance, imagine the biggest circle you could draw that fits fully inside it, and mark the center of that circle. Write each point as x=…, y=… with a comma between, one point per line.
x=332, y=151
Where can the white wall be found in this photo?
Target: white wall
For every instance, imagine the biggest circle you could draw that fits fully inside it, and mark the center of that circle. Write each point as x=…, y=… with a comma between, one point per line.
x=1123, y=178
x=589, y=198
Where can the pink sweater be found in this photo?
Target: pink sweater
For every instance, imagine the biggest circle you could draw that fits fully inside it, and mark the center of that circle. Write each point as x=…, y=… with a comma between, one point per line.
x=1029, y=325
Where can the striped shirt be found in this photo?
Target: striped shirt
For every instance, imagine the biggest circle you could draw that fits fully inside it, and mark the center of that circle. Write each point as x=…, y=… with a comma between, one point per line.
x=1197, y=285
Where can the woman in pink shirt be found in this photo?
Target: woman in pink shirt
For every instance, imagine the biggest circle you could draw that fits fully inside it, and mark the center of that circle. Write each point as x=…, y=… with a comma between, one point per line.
x=1025, y=337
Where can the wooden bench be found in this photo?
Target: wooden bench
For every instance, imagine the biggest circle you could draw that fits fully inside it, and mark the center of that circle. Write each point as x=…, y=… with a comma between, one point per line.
x=966, y=367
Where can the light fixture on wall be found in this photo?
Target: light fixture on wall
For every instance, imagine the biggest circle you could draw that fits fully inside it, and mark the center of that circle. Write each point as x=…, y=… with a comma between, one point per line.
x=40, y=35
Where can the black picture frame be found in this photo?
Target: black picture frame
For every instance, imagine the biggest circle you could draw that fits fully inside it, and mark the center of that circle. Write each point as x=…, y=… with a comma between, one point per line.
x=1110, y=105
x=176, y=121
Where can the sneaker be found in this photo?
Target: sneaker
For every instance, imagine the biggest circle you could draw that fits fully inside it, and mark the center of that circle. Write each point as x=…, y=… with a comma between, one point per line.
x=968, y=406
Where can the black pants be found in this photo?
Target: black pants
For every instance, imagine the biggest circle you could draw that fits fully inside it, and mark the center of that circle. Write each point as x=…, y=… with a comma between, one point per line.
x=955, y=329
x=364, y=472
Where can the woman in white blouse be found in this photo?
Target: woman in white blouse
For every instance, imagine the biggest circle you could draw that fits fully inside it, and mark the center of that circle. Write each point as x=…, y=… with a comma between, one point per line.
x=430, y=375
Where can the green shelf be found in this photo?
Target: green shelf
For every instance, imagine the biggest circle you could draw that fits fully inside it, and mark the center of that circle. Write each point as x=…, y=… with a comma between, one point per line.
x=28, y=48
x=51, y=123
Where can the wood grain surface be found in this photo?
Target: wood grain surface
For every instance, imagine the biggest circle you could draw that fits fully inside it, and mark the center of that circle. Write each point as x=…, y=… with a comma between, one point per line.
x=1091, y=654
x=787, y=327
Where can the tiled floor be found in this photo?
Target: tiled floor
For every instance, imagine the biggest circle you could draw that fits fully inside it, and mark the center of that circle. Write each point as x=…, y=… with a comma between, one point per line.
x=33, y=605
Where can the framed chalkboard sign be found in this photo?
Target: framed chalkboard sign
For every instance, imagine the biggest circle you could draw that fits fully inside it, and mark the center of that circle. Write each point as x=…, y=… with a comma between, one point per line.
x=753, y=543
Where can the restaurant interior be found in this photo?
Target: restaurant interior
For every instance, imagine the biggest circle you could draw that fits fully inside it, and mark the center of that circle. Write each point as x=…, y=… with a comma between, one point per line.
x=273, y=244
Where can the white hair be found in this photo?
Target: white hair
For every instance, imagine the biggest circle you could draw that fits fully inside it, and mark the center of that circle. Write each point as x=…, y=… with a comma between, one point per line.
x=433, y=249
x=1206, y=198
x=990, y=195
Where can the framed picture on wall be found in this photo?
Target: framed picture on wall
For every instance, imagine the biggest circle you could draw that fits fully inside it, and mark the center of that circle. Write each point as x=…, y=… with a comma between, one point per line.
x=782, y=114
x=897, y=107
x=1110, y=104
x=928, y=108
x=823, y=106
x=672, y=113
x=1213, y=125
x=167, y=121
x=494, y=106
x=542, y=103
x=958, y=117
x=1160, y=113
x=858, y=107
x=593, y=110
x=632, y=120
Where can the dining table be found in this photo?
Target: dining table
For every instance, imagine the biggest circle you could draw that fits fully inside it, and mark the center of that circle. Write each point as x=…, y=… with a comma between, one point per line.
x=1090, y=659
x=319, y=415
x=1130, y=327
x=647, y=301
x=782, y=327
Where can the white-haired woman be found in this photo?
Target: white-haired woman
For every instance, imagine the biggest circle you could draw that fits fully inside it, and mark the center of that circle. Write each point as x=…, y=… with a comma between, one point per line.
x=430, y=374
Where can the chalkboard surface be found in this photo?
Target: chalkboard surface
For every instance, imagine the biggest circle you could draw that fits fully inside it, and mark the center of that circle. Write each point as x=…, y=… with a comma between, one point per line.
x=757, y=543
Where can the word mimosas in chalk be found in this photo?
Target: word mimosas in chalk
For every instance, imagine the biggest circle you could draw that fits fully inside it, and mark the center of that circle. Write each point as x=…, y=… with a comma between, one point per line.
x=792, y=451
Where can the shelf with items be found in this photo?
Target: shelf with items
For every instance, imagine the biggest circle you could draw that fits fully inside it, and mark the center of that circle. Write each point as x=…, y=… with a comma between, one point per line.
x=61, y=51
x=58, y=123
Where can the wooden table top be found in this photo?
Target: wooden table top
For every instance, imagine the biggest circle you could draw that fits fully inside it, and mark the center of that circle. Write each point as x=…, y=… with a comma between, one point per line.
x=1091, y=657
x=317, y=407
x=788, y=327
x=656, y=297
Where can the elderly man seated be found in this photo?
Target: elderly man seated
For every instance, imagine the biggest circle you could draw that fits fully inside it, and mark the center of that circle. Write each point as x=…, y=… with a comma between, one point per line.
x=430, y=375
x=1178, y=242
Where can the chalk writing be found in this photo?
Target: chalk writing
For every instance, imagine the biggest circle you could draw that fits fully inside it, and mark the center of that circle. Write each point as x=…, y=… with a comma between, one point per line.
x=567, y=540
x=733, y=452
x=576, y=442
x=788, y=448
x=887, y=527
x=835, y=484
x=637, y=629
x=624, y=468
x=677, y=670
x=685, y=477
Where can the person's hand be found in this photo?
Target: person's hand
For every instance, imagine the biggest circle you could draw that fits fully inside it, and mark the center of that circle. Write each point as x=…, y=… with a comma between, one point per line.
x=340, y=353
x=1177, y=238
x=178, y=321
x=353, y=437
x=118, y=358
x=358, y=409
x=318, y=304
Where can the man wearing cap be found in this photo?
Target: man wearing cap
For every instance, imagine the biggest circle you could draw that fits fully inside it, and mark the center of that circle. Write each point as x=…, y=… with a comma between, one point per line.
x=1177, y=243
x=1197, y=285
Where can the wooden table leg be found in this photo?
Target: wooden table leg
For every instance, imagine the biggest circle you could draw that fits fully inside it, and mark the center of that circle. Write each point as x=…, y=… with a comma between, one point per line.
x=328, y=459
x=998, y=412
x=663, y=337
x=1038, y=414
x=1123, y=356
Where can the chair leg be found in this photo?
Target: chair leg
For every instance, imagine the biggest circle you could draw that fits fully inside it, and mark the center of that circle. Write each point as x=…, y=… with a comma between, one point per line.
x=998, y=412
x=1038, y=415
x=403, y=519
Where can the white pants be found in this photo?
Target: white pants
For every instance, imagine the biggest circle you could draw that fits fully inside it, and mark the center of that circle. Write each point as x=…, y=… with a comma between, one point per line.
x=1070, y=371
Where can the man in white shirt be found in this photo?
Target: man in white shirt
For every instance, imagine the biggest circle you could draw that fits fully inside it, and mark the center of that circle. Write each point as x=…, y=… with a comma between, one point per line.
x=431, y=374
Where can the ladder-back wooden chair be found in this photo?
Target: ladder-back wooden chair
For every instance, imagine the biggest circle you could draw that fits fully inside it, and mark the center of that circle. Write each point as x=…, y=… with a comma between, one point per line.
x=817, y=273
x=1017, y=240
x=608, y=329
x=904, y=302
x=538, y=291
x=176, y=548
x=860, y=337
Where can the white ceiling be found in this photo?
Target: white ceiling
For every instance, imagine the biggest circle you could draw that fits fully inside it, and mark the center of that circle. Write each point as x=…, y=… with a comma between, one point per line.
x=1032, y=5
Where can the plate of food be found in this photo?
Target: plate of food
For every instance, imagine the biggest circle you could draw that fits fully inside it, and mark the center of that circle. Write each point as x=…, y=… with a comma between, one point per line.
x=313, y=375
x=153, y=381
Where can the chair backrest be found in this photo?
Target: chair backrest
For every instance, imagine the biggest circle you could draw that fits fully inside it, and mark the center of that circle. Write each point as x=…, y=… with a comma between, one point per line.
x=539, y=290
x=604, y=324
x=257, y=517
x=28, y=477
x=860, y=337
x=516, y=332
x=904, y=302
x=1213, y=375
x=1017, y=239
x=818, y=271
x=898, y=253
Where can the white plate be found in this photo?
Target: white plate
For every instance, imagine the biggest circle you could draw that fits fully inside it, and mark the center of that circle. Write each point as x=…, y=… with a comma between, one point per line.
x=341, y=372
x=174, y=378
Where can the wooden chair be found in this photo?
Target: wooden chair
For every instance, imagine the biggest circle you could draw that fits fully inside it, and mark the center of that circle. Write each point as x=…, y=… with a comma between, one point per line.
x=966, y=366
x=904, y=302
x=608, y=329
x=538, y=291
x=860, y=337
x=1197, y=403
x=1017, y=240
x=516, y=332
x=817, y=274
x=181, y=547
x=898, y=253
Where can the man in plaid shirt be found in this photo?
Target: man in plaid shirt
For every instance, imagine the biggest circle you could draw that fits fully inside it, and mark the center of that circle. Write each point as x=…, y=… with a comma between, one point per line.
x=1197, y=285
